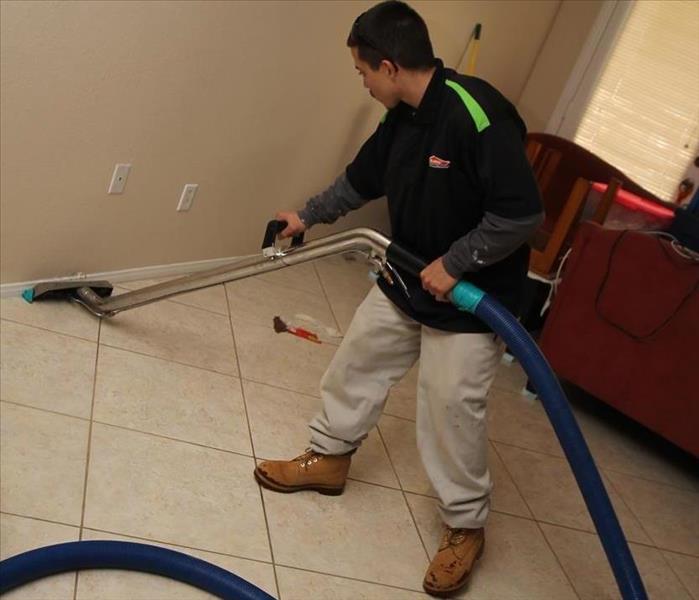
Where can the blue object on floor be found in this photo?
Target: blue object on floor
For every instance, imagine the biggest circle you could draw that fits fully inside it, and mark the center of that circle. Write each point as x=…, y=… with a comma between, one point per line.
x=129, y=556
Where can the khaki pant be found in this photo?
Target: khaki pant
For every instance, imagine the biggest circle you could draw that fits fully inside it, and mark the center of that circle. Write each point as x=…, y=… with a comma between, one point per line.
x=456, y=370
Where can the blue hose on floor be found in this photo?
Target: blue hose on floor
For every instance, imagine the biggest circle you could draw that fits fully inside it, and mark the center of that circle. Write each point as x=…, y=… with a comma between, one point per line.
x=73, y=556
x=469, y=298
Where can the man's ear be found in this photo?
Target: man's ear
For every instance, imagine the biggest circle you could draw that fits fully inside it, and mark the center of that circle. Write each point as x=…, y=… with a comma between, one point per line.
x=389, y=68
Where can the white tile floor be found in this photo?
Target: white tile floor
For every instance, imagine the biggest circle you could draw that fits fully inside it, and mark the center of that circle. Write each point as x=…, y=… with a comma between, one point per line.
x=147, y=427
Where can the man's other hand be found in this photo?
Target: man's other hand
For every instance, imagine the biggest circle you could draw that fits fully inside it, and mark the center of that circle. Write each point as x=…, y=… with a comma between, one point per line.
x=437, y=281
x=294, y=225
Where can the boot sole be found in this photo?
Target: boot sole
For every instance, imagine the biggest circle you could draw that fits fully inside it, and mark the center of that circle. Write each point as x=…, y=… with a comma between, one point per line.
x=270, y=484
x=446, y=592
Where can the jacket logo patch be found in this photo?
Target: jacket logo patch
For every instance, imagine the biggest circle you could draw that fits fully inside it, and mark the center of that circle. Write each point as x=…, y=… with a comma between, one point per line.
x=438, y=163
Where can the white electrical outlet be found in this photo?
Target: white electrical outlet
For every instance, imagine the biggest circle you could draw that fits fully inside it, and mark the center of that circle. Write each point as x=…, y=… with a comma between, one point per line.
x=118, y=183
x=187, y=197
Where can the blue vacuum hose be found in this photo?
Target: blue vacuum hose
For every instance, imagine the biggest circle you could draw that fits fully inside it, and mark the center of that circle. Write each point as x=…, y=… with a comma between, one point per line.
x=469, y=298
x=73, y=556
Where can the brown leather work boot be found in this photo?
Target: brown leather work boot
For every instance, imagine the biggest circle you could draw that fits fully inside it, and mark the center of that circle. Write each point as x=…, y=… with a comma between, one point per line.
x=322, y=473
x=453, y=563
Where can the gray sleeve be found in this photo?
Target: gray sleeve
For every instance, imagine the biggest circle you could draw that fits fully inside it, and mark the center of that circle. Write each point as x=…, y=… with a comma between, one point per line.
x=333, y=203
x=494, y=239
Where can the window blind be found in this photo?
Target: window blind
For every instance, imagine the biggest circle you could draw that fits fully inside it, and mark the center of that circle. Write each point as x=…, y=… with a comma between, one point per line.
x=643, y=116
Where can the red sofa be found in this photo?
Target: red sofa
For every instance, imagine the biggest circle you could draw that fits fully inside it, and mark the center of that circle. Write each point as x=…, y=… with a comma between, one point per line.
x=624, y=326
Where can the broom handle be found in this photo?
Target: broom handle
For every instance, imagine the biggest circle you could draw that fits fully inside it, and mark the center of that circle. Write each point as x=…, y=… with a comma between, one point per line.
x=470, y=54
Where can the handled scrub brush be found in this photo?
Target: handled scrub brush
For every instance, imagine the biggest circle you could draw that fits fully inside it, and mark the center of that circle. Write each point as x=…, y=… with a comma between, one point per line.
x=281, y=327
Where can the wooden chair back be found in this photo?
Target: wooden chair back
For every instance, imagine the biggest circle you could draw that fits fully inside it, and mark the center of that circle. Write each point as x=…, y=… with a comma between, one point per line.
x=565, y=172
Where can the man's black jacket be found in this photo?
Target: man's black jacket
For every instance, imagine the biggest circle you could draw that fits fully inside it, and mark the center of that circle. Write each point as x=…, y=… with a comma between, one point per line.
x=443, y=167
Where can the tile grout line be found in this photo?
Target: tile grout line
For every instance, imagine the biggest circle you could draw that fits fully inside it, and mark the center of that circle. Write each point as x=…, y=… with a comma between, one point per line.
x=242, y=387
x=346, y=577
x=588, y=532
x=653, y=481
x=279, y=387
x=503, y=388
x=89, y=446
x=388, y=487
x=402, y=491
x=307, y=395
x=610, y=483
x=499, y=512
x=131, y=429
x=164, y=542
x=327, y=298
x=511, y=445
x=46, y=329
x=600, y=467
x=209, y=310
x=40, y=519
x=402, y=418
x=170, y=360
x=538, y=524
x=675, y=573
x=286, y=286
x=421, y=495
x=46, y=410
x=173, y=439
x=252, y=443
x=613, y=486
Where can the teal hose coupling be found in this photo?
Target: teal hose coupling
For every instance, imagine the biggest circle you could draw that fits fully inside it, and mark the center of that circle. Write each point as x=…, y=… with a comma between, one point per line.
x=466, y=296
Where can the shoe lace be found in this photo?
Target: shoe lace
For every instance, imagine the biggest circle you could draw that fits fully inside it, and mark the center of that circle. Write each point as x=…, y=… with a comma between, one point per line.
x=453, y=537
x=308, y=458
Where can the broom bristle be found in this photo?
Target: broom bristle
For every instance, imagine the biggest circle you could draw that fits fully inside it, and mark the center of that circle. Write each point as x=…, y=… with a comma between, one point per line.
x=279, y=325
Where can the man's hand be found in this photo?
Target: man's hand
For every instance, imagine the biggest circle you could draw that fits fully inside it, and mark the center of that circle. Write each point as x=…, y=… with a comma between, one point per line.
x=437, y=281
x=294, y=224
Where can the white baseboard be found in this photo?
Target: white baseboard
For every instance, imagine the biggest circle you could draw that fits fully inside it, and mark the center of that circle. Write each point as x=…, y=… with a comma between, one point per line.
x=152, y=272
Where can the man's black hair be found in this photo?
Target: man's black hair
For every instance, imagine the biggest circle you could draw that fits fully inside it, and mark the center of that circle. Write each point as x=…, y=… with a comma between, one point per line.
x=395, y=32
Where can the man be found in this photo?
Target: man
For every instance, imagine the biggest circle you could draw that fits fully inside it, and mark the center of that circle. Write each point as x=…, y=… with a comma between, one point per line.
x=449, y=156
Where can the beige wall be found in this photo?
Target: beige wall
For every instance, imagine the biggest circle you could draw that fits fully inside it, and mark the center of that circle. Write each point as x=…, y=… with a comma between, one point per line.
x=556, y=60
x=257, y=102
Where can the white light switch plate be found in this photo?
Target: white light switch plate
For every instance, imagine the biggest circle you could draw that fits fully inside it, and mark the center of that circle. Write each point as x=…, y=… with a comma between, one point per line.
x=118, y=183
x=187, y=197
